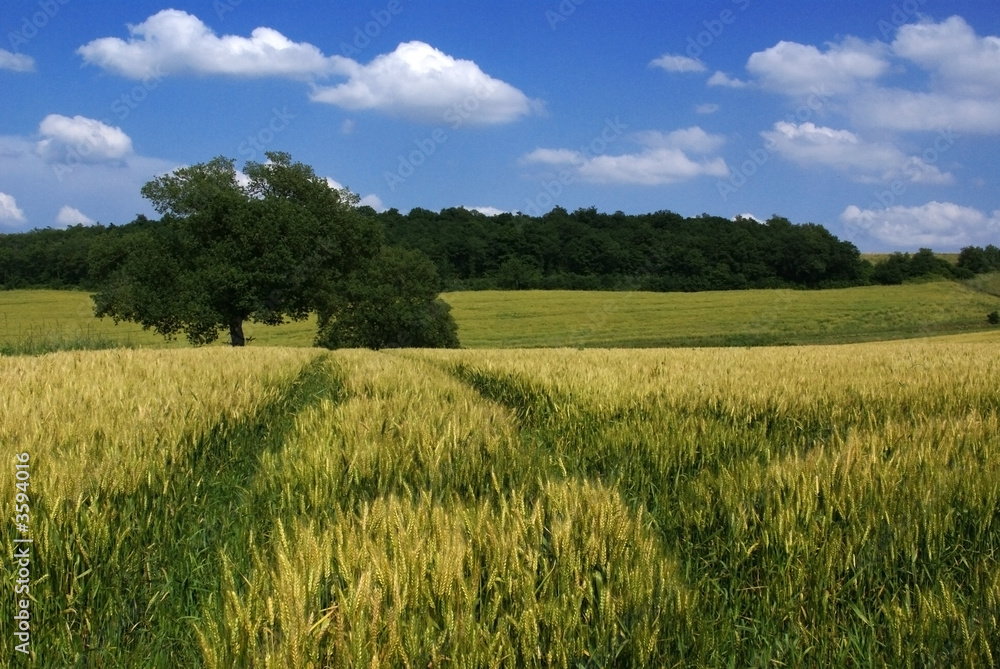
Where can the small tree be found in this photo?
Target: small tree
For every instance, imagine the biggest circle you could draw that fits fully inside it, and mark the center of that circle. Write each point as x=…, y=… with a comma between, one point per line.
x=993, y=317
x=391, y=303
x=226, y=253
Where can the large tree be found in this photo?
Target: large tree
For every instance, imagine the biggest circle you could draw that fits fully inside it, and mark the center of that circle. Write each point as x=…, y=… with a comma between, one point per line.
x=271, y=247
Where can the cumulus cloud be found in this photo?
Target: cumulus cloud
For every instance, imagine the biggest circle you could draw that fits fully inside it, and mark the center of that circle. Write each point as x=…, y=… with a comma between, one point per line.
x=663, y=159
x=961, y=68
x=707, y=108
x=677, y=63
x=9, y=211
x=964, y=88
x=16, y=62
x=843, y=150
x=373, y=201
x=960, y=61
x=937, y=225
x=80, y=140
x=71, y=216
x=902, y=110
x=175, y=42
x=800, y=69
x=416, y=81
x=724, y=80
x=419, y=82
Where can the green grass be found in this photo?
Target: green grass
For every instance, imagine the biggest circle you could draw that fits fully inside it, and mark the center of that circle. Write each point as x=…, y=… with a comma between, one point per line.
x=489, y=319
x=756, y=317
x=986, y=283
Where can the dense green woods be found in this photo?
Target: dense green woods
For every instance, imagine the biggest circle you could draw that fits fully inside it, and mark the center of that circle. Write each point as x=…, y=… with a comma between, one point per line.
x=582, y=250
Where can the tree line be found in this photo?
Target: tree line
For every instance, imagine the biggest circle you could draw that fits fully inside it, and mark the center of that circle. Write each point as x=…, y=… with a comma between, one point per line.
x=582, y=250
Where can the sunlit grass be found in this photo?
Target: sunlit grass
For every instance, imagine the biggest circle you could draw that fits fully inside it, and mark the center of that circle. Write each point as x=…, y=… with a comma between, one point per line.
x=274, y=507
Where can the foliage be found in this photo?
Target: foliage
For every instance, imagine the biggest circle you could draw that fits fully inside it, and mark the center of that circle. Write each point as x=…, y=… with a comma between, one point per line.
x=993, y=317
x=818, y=506
x=590, y=250
x=902, y=267
x=391, y=303
x=980, y=260
x=583, y=250
x=224, y=253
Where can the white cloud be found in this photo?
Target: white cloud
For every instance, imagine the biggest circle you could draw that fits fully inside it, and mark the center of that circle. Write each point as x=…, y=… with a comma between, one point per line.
x=80, y=140
x=707, y=108
x=175, y=42
x=937, y=225
x=17, y=62
x=801, y=69
x=373, y=201
x=9, y=211
x=747, y=216
x=347, y=127
x=664, y=159
x=419, y=82
x=723, y=79
x=909, y=111
x=676, y=63
x=72, y=216
x=962, y=63
x=964, y=89
x=488, y=211
x=416, y=81
x=107, y=191
x=962, y=74
x=843, y=150
x=687, y=139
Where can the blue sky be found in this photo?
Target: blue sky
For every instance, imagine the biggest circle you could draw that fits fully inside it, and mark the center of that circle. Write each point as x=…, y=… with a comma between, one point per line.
x=879, y=120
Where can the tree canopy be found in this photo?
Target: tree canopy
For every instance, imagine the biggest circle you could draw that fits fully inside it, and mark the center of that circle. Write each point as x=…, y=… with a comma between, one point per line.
x=274, y=247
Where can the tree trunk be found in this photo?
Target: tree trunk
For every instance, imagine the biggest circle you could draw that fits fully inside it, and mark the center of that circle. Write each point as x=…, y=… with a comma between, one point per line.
x=236, y=337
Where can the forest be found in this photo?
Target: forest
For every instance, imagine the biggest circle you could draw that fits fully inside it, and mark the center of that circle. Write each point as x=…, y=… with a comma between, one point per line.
x=582, y=250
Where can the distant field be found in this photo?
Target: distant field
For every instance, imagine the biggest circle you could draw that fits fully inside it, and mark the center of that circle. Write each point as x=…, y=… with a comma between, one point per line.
x=489, y=319
x=758, y=317
x=69, y=315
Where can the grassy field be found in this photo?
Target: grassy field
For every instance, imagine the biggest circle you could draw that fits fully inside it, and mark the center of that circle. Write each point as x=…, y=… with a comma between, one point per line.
x=592, y=319
x=57, y=317
x=274, y=507
x=756, y=317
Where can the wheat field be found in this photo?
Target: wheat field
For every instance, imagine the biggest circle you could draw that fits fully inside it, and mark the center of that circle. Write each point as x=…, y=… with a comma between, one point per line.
x=807, y=506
